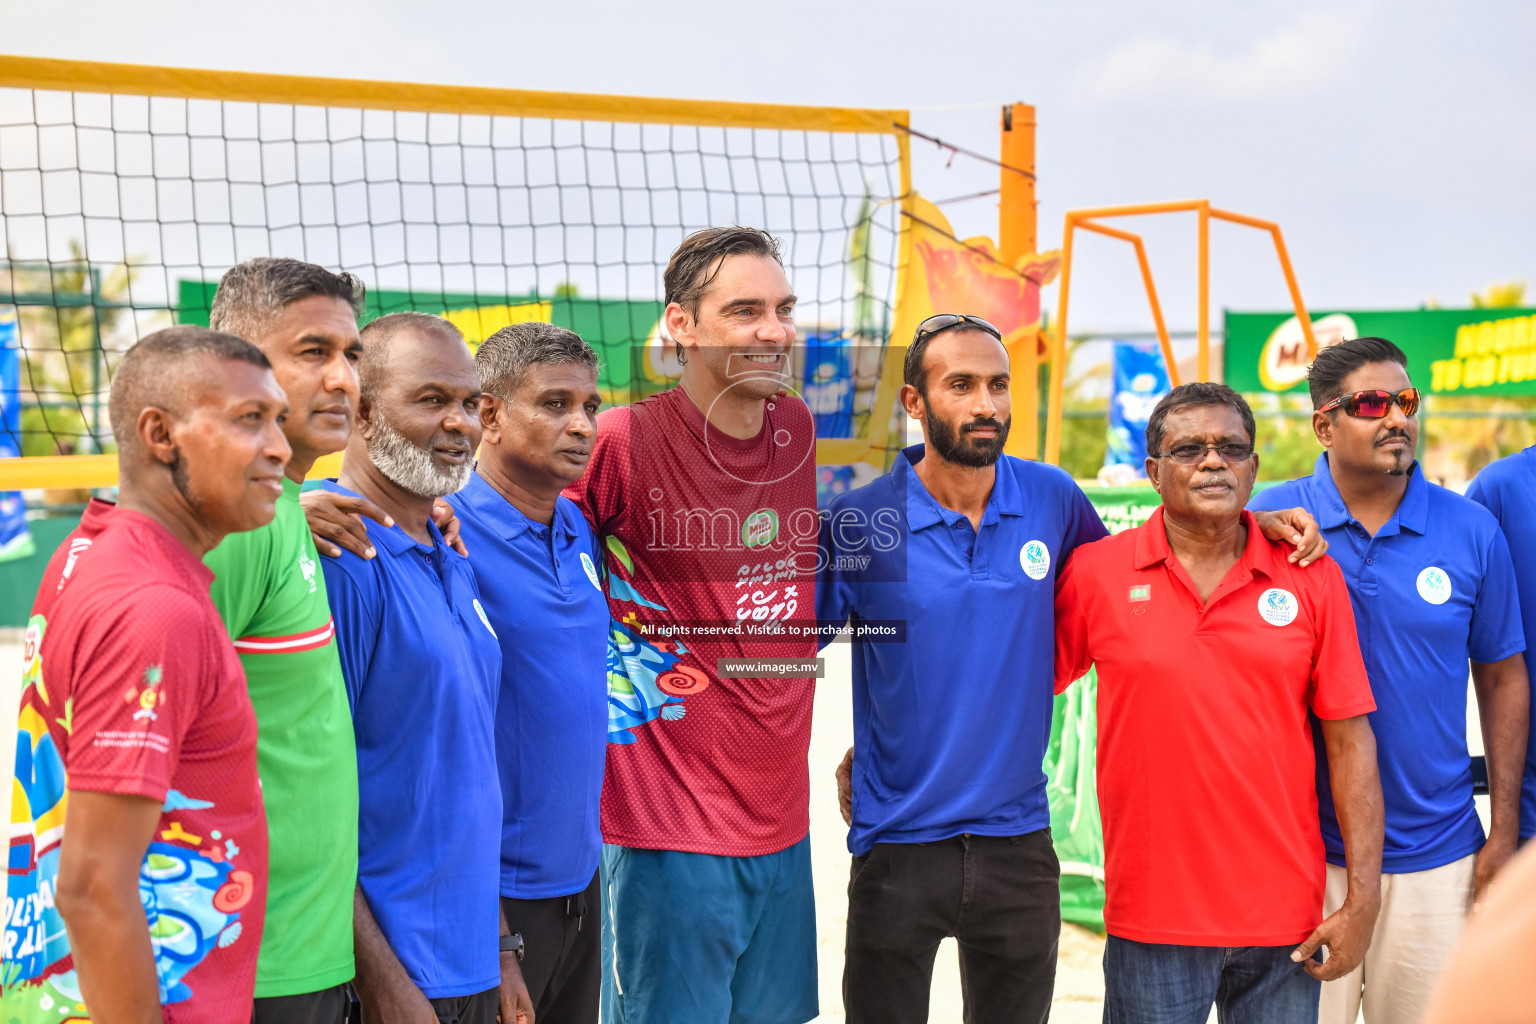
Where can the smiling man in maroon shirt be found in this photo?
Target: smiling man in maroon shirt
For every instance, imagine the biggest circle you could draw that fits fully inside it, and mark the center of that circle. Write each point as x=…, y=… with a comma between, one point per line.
x=703, y=495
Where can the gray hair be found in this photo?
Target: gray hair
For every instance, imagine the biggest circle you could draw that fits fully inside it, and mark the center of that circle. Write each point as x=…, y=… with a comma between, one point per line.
x=378, y=335
x=251, y=295
x=505, y=357
x=1197, y=393
x=163, y=371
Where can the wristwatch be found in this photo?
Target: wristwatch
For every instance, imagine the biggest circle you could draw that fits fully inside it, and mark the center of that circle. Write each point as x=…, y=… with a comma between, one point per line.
x=512, y=944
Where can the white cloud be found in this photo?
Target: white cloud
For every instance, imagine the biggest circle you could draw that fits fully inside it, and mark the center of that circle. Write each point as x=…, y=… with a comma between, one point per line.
x=1293, y=61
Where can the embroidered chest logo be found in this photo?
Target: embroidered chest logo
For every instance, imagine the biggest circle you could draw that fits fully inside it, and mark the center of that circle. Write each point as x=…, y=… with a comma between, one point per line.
x=1142, y=593
x=1434, y=585
x=308, y=567
x=1278, y=607
x=1035, y=557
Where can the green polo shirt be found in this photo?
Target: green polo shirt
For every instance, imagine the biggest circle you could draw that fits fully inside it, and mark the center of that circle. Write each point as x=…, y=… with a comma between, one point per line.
x=270, y=590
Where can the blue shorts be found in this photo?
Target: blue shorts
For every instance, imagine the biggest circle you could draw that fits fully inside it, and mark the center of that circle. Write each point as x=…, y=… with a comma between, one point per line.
x=691, y=938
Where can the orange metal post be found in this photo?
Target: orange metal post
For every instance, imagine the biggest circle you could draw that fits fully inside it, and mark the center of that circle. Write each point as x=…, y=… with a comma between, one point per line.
x=1203, y=321
x=1058, y=339
x=1016, y=232
x=1302, y=316
x=1085, y=219
x=1163, y=340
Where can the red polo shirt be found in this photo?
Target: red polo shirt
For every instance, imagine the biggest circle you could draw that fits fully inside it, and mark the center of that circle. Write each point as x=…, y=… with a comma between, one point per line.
x=1205, y=762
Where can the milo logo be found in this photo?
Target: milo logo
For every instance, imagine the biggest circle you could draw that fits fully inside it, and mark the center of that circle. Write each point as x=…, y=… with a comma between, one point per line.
x=760, y=528
x=32, y=655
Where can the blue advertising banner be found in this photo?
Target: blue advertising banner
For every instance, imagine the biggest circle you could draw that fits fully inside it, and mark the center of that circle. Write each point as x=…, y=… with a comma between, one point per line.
x=1140, y=381
x=15, y=539
x=827, y=388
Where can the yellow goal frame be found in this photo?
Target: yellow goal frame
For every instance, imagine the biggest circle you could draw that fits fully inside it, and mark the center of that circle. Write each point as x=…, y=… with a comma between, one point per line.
x=85, y=471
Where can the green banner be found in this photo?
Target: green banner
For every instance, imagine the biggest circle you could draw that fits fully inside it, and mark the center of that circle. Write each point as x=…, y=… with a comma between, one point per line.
x=1450, y=351
x=622, y=331
x=1071, y=756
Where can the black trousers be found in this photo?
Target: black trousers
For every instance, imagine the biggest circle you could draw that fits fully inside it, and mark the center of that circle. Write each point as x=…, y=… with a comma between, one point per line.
x=562, y=953
x=328, y=1006
x=480, y=1008
x=999, y=898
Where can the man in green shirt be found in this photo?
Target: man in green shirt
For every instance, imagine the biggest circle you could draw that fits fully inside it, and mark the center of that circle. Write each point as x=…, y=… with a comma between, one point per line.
x=271, y=593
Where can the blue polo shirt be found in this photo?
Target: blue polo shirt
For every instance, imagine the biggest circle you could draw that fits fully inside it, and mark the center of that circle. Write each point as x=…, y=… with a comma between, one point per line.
x=422, y=666
x=541, y=590
x=951, y=712
x=1507, y=488
x=1434, y=588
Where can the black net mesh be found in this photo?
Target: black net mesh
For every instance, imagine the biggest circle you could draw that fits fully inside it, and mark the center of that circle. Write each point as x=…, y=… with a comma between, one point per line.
x=118, y=214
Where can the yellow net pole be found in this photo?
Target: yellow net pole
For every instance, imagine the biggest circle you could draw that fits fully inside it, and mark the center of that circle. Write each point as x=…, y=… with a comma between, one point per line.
x=1016, y=237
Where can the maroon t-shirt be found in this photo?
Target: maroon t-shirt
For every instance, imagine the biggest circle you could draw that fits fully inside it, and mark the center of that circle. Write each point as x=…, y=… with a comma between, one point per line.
x=133, y=687
x=709, y=543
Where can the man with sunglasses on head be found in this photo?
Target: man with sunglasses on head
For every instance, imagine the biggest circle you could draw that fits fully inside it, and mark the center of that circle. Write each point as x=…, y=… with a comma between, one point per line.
x=1433, y=588
x=956, y=550
x=1212, y=650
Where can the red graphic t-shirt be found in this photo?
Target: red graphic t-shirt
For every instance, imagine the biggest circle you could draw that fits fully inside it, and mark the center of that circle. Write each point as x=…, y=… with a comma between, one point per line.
x=709, y=543
x=132, y=686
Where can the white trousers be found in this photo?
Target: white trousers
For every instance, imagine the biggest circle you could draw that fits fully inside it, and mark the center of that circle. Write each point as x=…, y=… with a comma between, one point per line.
x=1422, y=916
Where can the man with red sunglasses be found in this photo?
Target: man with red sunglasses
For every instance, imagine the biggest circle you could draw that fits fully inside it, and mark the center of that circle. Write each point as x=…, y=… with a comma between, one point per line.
x=1433, y=588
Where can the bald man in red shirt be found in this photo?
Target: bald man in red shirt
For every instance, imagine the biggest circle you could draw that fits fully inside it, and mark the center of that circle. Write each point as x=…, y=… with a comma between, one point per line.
x=1212, y=648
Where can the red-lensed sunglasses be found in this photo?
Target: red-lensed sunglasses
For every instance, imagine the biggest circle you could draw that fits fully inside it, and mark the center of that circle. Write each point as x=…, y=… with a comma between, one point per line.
x=1373, y=405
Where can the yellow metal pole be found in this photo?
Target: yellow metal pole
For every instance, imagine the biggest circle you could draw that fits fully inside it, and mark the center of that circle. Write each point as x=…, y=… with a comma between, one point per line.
x=55, y=472
x=1016, y=237
x=1058, y=349
x=1203, y=330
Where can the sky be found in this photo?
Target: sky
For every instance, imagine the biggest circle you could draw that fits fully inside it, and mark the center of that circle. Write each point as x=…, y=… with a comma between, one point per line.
x=1393, y=142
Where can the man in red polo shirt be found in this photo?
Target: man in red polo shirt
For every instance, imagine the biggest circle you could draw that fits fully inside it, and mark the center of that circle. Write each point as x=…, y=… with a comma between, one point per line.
x=1211, y=650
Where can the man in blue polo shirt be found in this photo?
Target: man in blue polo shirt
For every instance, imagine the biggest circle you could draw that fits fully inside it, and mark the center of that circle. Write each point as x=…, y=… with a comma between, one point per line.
x=1507, y=488
x=1432, y=585
x=421, y=664
x=536, y=561
x=956, y=550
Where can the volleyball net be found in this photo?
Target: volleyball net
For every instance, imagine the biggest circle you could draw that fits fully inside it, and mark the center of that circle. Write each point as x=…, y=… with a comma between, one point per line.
x=127, y=191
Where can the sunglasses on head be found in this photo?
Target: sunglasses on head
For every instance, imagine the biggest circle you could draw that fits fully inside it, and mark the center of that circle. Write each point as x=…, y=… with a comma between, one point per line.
x=944, y=321
x=1374, y=405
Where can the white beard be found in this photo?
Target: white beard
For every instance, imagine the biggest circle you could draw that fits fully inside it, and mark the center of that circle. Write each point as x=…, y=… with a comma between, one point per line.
x=413, y=468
